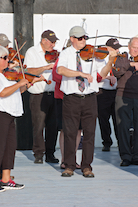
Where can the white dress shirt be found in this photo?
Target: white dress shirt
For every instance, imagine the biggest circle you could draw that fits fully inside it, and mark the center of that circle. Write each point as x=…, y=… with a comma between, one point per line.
x=11, y=104
x=34, y=58
x=69, y=85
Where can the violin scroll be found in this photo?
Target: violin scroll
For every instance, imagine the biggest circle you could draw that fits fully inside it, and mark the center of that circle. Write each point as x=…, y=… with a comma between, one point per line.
x=13, y=53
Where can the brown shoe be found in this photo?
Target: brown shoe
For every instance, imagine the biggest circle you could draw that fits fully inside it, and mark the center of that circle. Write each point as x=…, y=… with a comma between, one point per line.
x=67, y=173
x=87, y=173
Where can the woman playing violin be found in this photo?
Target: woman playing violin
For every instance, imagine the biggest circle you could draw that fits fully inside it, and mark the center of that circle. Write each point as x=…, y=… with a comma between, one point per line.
x=10, y=107
x=4, y=41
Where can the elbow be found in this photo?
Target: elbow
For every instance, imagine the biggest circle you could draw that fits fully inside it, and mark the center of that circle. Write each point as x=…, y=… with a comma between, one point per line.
x=59, y=70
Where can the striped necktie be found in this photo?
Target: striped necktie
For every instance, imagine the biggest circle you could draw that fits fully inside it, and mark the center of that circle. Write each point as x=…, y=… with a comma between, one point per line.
x=79, y=79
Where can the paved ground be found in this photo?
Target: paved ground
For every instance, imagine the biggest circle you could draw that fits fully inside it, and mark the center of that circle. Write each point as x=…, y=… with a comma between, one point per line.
x=112, y=186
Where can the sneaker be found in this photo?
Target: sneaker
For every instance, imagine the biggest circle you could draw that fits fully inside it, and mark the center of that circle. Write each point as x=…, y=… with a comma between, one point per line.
x=11, y=185
x=2, y=189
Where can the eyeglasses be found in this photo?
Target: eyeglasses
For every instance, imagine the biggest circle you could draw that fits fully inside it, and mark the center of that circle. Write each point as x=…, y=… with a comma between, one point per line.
x=5, y=57
x=50, y=41
x=83, y=37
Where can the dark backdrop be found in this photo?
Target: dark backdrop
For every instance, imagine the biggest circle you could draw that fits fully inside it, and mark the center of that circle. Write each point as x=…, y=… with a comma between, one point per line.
x=78, y=6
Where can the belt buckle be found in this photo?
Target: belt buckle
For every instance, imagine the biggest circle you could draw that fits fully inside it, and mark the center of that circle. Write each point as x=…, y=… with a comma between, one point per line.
x=48, y=93
x=83, y=96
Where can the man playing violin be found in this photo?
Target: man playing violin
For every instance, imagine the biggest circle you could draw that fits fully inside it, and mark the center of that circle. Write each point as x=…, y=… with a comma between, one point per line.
x=126, y=106
x=106, y=102
x=42, y=102
x=79, y=102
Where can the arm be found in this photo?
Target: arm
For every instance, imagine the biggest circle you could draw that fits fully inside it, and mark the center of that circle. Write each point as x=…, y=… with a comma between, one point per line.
x=122, y=64
x=31, y=60
x=71, y=73
x=24, y=88
x=39, y=70
x=7, y=91
x=134, y=64
x=106, y=69
x=112, y=79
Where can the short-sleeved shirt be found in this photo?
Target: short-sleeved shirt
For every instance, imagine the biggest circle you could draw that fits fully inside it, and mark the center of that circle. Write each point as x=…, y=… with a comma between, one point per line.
x=69, y=85
x=34, y=58
x=11, y=104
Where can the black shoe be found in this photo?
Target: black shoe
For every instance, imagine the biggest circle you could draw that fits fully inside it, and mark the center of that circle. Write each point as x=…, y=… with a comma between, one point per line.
x=106, y=149
x=134, y=162
x=51, y=158
x=38, y=160
x=125, y=163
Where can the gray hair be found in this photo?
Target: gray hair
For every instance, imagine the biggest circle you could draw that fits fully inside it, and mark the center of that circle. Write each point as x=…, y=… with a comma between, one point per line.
x=3, y=51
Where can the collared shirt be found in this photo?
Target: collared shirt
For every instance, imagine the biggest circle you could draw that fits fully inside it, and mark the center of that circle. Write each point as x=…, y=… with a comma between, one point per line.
x=69, y=85
x=11, y=104
x=105, y=84
x=34, y=58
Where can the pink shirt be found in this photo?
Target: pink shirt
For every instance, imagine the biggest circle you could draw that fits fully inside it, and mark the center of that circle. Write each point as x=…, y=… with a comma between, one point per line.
x=57, y=78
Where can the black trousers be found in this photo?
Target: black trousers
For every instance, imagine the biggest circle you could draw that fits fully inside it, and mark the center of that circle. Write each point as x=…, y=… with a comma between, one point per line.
x=7, y=141
x=76, y=109
x=106, y=108
x=43, y=113
x=126, y=113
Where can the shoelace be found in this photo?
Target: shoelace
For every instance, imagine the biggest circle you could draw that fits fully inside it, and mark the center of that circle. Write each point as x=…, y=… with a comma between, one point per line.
x=12, y=183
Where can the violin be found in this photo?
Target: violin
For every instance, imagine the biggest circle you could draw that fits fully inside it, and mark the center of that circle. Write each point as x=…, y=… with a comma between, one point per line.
x=136, y=59
x=13, y=75
x=87, y=52
x=51, y=56
x=100, y=53
x=13, y=53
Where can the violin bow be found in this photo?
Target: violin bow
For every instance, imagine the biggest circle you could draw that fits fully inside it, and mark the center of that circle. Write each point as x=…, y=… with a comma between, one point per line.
x=83, y=21
x=19, y=50
x=109, y=36
x=19, y=58
x=93, y=51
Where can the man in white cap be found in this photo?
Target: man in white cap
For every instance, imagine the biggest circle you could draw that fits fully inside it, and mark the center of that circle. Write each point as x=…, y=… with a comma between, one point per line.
x=79, y=85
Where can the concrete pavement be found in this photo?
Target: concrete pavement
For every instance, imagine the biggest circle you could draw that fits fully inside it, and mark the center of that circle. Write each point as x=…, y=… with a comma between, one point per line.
x=113, y=186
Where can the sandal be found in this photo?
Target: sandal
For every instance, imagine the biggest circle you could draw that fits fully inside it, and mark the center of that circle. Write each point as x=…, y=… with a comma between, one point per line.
x=78, y=166
x=62, y=166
